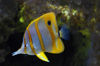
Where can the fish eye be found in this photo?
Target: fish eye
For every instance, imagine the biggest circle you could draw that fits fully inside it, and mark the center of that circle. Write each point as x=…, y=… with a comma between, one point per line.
x=49, y=22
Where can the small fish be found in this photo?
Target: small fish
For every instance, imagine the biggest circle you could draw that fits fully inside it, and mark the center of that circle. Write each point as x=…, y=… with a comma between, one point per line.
x=41, y=36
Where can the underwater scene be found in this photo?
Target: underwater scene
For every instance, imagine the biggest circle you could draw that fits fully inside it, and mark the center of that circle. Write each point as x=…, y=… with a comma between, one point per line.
x=49, y=32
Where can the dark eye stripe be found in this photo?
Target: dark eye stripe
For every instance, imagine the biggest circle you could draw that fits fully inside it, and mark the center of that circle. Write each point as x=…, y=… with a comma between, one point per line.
x=25, y=45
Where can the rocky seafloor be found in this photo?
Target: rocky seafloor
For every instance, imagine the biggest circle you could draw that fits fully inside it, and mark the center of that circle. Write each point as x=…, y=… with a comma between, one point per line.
x=82, y=18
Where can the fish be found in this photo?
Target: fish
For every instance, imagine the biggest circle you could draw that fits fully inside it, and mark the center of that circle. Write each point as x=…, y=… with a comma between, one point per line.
x=41, y=36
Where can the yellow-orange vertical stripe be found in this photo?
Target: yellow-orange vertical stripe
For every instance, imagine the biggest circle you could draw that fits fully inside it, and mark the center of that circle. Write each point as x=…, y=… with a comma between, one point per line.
x=52, y=37
x=30, y=40
x=25, y=45
x=51, y=33
x=39, y=36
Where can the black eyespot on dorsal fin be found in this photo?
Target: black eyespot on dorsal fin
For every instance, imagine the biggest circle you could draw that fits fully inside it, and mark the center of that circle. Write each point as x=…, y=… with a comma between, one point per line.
x=49, y=22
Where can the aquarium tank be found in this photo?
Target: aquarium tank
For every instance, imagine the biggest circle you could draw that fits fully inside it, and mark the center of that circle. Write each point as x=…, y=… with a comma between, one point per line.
x=81, y=44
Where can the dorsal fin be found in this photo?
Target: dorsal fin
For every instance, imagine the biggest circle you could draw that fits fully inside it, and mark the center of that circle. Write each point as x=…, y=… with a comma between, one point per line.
x=42, y=56
x=58, y=47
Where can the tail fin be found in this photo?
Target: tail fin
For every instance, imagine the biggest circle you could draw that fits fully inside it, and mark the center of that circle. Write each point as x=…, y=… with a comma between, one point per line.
x=64, y=32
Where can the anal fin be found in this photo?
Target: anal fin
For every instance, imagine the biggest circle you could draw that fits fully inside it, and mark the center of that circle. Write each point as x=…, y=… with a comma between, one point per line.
x=42, y=56
x=58, y=47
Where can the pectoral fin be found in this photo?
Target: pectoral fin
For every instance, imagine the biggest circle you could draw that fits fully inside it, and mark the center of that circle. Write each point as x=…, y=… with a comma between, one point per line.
x=42, y=56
